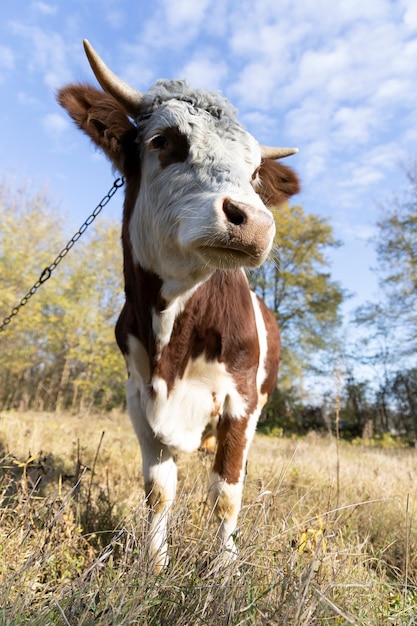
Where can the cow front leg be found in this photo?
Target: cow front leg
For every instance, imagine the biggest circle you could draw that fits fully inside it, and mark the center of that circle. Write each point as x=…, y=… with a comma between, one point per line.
x=227, y=477
x=160, y=476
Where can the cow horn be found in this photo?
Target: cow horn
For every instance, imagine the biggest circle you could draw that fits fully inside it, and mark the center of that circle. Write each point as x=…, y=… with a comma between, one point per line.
x=130, y=98
x=268, y=152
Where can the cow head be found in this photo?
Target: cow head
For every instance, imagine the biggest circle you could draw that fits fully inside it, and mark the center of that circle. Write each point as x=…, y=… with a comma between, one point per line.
x=198, y=184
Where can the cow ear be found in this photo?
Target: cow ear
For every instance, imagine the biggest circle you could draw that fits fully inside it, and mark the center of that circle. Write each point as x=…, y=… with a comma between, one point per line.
x=276, y=183
x=102, y=118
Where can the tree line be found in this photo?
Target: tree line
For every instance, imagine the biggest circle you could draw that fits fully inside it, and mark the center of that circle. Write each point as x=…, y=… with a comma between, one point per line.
x=387, y=398
x=59, y=352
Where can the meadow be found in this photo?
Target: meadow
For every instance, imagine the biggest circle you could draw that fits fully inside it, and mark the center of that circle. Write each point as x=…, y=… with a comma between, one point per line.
x=327, y=532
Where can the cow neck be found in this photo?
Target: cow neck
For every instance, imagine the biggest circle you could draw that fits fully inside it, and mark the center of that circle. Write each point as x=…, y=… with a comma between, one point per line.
x=218, y=324
x=149, y=316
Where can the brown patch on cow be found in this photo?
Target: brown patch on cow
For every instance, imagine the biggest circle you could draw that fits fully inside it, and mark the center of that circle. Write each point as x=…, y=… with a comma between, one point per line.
x=104, y=120
x=218, y=322
x=231, y=445
x=276, y=183
x=143, y=295
x=174, y=148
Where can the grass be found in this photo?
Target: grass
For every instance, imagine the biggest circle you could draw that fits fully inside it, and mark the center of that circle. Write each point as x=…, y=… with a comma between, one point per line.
x=317, y=545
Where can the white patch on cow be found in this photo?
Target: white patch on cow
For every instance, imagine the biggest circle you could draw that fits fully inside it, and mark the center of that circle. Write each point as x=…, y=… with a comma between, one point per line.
x=163, y=322
x=137, y=362
x=179, y=418
x=163, y=477
x=226, y=501
x=134, y=396
x=250, y=430
x=263, y=347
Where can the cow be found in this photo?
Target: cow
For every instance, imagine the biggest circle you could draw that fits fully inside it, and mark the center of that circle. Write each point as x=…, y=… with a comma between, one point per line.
x=201, y=349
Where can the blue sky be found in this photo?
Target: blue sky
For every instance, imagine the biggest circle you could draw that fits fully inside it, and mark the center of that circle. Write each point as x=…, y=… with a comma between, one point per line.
x=337, y=79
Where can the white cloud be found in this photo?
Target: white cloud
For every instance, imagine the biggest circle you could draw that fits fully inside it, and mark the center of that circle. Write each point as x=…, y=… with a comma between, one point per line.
x=352, y=125
x=410, y=15
x=28, y=99
x=261, y=125
x=46, y=9
x=342, y=78
x=204, y=72
x=115, y=18
x=309, y=121
x=315, y=166
x=393, y=90
x=256, y=87
x=55, y=125
x=184, y=12
x=138, y=67
x=49, y=53
x=6, y=58
x=356, y=232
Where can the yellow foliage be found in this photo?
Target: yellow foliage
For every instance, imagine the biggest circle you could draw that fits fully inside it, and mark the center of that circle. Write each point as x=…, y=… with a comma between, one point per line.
x=59, y=351
x=312, y=540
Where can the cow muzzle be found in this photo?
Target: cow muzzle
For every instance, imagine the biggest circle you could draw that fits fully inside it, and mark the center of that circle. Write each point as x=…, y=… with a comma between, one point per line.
x=244, y=238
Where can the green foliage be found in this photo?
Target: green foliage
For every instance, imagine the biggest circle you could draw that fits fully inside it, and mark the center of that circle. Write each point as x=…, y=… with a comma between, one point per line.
x=385, y=441
x=286, y=415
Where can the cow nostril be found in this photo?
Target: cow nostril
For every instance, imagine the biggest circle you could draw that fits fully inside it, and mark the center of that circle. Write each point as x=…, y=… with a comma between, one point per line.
x=234, y=213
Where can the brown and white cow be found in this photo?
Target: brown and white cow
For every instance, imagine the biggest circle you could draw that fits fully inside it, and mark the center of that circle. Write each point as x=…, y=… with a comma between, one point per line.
x=201, y=349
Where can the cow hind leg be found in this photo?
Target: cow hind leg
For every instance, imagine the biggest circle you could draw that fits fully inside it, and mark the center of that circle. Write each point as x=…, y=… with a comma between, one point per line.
x=226, y=500
x=227, y=477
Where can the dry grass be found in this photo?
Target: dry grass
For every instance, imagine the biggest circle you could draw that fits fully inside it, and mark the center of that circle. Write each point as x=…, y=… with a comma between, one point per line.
x=72, y=531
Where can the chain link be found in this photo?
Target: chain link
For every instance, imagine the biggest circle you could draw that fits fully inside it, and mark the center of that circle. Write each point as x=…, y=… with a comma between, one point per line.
x=47, y=272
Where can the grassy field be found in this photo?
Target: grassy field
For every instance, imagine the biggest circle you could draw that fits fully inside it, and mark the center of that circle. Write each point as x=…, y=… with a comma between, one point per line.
x=324, y=538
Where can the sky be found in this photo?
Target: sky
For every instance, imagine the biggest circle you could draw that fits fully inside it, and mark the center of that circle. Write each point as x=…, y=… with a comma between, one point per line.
x=337, y=79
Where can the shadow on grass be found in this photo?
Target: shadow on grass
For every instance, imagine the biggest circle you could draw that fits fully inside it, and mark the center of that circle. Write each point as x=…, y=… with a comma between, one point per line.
x=47, y=476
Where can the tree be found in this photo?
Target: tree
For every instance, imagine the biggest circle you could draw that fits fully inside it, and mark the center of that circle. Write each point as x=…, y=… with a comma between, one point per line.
x=59, y=352
x=297, y=286
x=389, y=326
x=396, y=249
x=26, y=226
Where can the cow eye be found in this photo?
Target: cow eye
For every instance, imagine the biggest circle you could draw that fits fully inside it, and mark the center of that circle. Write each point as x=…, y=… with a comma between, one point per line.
x=158, y=142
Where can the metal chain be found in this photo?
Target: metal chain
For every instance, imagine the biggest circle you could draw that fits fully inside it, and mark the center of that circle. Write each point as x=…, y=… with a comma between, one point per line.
x=47, y=272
